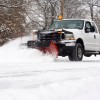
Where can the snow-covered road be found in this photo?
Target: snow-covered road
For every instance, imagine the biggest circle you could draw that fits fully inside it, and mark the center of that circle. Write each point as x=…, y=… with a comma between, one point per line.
x=27, y=74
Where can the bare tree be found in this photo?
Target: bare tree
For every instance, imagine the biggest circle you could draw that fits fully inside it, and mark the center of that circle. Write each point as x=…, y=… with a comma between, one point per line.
x=73, y=9
x=12, y=19
x=93, y=6
x=41, y=12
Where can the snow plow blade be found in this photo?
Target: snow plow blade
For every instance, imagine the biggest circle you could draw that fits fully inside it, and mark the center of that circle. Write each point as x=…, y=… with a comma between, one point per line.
x=45, y=46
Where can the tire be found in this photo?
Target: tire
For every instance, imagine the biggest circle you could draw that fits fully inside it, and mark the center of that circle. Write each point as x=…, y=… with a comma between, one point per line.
x=77, y=53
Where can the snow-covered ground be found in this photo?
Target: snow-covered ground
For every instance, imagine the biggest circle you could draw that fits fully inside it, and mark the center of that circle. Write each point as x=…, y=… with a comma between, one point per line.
x=27, y=74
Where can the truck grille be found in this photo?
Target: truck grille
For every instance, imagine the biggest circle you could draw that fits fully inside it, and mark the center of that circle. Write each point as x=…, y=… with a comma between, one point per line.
x=53, y=36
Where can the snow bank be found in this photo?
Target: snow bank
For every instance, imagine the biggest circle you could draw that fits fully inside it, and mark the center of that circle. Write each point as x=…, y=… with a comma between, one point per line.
x=85, y=89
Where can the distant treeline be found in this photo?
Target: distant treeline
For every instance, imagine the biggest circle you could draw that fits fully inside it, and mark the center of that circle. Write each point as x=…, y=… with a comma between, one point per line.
x=19, y=17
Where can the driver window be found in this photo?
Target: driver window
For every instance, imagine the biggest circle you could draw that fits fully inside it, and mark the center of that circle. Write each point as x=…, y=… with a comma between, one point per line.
x=88, y=25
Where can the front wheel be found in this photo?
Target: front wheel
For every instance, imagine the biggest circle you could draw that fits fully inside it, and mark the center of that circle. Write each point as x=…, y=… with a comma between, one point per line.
x=77, y=53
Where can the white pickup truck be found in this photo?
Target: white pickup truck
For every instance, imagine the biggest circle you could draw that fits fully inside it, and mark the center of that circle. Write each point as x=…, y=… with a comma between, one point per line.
x=77, y=37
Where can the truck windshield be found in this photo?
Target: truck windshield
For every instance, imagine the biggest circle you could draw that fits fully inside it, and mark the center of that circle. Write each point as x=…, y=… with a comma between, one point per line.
x=68, y=24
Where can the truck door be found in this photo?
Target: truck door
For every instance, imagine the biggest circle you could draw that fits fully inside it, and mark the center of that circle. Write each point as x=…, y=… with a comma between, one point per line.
x=90, y=37
x=96, y=37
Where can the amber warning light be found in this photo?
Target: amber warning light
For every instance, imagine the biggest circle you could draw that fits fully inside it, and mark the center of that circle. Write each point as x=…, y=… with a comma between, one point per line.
x=60, y=17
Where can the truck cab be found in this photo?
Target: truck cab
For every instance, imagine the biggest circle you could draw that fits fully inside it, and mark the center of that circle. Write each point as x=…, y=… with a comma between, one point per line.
x=83, y=29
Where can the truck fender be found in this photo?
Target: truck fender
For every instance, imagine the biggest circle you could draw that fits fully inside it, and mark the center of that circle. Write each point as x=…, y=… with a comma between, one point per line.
x=79, y=40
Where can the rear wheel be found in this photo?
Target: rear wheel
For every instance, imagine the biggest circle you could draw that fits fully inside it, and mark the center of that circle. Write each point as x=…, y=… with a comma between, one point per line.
x=77, y=53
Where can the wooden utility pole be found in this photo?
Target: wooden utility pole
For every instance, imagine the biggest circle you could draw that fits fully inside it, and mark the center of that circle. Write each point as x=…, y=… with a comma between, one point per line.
x=91, y=9
x=62, y=7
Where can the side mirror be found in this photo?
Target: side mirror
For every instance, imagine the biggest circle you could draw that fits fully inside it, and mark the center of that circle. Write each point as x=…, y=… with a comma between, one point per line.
x=87, y=30
x=92, y=29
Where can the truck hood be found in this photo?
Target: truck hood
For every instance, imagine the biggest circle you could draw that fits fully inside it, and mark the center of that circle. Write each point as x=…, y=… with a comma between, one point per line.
x=74, y=31
x=69, y=32
x=48, y=32
x=45, y=32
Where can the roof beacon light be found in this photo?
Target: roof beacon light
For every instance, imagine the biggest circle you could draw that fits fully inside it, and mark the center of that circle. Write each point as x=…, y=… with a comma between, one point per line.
x=60, y=17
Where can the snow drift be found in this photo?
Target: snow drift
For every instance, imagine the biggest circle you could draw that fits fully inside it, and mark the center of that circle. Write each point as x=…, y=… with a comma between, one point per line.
x=13, y=52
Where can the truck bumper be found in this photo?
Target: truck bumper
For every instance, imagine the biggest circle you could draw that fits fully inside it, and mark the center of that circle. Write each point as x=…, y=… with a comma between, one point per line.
x=63, y=48
x=66, y=47
x=69, y=42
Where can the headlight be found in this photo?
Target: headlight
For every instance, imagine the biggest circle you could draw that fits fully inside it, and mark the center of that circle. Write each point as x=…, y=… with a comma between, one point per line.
x=70, y=37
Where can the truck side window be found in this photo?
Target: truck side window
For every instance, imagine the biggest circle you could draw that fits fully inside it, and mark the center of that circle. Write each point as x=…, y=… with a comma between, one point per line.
x=88, y=26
